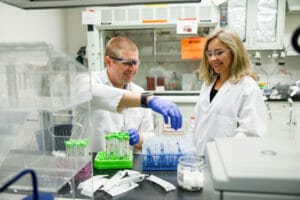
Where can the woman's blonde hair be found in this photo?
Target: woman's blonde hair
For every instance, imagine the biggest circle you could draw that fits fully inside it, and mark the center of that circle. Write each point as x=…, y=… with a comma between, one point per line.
x=240, y=66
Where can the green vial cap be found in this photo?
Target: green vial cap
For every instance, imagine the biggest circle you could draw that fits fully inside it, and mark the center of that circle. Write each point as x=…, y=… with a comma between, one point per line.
x=126, y=137
x=86, y=140
x=112, y=133
x=77, y=143
x=126, y=133
x=82, y=143
x=68, y=143
x=120, y=137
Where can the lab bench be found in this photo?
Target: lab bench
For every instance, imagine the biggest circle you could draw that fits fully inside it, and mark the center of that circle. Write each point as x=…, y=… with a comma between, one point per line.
x=148, y=190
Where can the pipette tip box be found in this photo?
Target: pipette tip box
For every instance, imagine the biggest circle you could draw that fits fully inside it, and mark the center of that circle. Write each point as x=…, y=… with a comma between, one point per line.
x=103, y=161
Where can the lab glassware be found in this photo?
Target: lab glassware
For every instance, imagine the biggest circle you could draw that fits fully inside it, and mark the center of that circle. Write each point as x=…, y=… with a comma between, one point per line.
x=190, y=172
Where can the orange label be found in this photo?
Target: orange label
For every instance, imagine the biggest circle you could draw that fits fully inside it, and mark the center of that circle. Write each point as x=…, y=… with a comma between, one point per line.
x=192, y=47
x=155, y=21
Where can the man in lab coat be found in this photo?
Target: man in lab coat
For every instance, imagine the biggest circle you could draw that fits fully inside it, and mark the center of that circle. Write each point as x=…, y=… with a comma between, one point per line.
x=122, y=62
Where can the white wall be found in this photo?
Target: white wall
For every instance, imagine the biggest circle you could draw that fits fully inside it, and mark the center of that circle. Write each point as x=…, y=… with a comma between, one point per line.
x=18, y=25
x=76, y=32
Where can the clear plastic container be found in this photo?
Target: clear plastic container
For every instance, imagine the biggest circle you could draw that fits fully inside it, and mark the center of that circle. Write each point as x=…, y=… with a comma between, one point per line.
x=190, y=172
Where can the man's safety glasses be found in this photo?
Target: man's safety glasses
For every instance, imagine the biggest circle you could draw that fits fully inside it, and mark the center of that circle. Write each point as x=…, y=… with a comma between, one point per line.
x=127, y=62
x=217, y=53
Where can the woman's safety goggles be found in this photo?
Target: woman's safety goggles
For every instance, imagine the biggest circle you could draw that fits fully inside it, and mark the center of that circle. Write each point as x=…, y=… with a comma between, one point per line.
x=217, y=53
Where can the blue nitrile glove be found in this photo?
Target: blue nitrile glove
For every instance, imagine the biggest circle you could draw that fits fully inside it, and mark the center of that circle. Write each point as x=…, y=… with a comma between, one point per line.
x=167, y=109
x=134, y=136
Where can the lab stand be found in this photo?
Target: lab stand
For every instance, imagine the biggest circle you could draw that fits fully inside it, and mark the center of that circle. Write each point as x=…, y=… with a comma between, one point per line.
x=38, y=95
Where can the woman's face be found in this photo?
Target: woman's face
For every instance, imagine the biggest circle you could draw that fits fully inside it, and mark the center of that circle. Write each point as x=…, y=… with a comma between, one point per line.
x=219, y=57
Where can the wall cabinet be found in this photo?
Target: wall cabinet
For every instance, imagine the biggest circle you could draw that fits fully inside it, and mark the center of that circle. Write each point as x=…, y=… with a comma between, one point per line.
x=260, y=23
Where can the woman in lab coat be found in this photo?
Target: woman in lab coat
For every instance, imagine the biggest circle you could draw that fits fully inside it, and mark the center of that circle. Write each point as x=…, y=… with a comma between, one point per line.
x=230, y=102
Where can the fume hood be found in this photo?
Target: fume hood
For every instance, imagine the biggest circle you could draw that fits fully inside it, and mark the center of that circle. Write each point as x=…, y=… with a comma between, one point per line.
x=42, y=4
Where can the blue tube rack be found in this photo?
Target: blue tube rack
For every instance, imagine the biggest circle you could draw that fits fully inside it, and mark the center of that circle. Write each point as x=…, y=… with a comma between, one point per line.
x=160, y=162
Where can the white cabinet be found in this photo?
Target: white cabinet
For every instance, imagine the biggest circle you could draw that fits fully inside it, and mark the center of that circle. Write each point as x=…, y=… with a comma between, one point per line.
x=260, y=23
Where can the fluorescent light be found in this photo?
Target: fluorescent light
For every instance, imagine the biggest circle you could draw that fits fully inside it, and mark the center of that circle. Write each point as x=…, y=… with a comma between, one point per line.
x=43, y=4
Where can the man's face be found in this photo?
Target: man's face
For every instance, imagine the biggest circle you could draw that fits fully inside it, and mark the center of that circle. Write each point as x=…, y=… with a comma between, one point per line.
x=122, y=70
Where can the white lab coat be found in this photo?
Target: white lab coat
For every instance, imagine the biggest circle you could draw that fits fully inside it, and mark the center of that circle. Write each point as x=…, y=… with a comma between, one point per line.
x=236, y=110
x=103, y=116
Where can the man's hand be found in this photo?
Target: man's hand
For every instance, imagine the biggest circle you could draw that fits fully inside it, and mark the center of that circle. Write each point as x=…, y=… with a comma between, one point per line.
x=134, y=136
x=168, y=110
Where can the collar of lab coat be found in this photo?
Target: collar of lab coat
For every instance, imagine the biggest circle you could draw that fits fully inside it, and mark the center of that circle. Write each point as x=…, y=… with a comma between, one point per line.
x=105, y=79
x=226, y=87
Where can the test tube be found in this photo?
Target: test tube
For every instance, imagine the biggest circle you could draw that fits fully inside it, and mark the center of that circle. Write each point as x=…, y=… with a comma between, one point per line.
x=108, y=145
x=77, y=148
x=69, y=147
x=72, y=149
x=121, y=148
x=86, y=142
x=127, y=147
x=113, y=143
x=82, y=146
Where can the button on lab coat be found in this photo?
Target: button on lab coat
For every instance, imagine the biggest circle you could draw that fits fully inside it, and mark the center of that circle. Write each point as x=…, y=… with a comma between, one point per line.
x=236, y=110
x=103, y=117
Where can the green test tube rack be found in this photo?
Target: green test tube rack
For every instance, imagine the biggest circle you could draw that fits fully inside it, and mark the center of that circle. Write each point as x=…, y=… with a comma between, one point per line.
x=103, y=161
